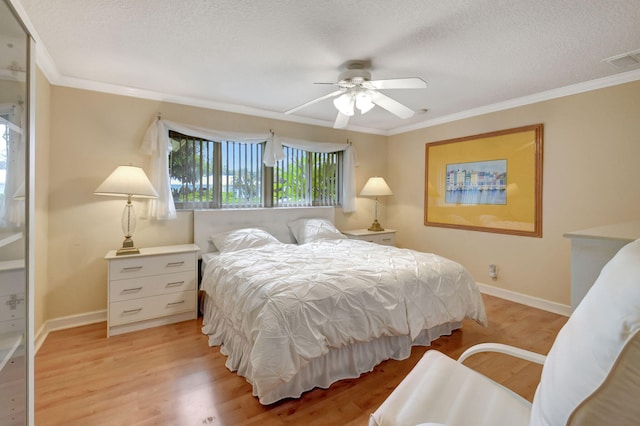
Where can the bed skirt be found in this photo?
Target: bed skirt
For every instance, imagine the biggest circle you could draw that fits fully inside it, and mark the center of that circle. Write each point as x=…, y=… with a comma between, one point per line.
x=347, y=362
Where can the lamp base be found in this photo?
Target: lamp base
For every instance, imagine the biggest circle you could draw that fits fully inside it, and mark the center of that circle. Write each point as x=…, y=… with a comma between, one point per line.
x=375, y=226
x=127, y=248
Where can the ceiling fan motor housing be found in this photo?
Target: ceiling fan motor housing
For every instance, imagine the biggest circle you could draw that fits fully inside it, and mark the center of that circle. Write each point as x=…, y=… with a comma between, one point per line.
x=354, y=77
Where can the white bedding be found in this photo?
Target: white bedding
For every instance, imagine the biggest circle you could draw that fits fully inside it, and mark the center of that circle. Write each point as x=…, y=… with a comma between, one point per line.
x=277, y=308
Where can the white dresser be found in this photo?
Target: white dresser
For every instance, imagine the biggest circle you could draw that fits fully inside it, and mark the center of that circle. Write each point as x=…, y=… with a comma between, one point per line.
x=386, y=237
x=591, y=249
x=156, y=287
x=12, y=311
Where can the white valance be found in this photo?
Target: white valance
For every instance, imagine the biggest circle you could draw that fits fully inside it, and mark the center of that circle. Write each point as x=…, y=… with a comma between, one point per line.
x=156, y=143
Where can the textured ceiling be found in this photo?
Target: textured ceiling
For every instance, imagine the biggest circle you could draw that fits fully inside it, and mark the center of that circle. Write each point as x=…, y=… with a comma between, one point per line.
x=263, y=57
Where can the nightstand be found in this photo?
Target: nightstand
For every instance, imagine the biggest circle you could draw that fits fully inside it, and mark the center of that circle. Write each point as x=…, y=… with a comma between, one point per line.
x=386, y=237
x=156, y=287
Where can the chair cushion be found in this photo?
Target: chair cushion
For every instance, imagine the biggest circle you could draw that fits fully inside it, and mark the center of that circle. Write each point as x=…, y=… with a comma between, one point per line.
x=442, y=391
x=615, y=402
x=590, y=342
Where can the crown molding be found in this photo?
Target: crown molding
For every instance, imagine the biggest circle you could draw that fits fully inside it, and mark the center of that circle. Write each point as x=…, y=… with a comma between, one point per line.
x=56, y=78
x=587, y=86
x=51, y=71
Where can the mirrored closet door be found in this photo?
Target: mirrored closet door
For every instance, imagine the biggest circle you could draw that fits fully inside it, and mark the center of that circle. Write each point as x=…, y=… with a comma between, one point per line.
x=14, y=153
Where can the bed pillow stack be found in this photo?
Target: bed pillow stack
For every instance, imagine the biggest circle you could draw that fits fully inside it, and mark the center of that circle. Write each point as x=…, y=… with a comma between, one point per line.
x=240, y=239
x=308, y=230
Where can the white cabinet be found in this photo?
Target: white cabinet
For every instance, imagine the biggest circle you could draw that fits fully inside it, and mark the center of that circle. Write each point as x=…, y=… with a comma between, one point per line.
x=12, y=312
x=386, y=237
x=591, y=249
x=156, y=287
x=17, y=232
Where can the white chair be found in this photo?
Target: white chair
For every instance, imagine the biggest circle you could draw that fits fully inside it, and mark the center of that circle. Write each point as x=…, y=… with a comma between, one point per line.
x=591, y=375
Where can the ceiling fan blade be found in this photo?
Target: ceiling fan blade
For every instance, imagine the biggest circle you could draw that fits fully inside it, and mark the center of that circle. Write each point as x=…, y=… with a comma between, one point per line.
x=391, y=105
x=341, y=121
x=321, y=98
x=399, y=83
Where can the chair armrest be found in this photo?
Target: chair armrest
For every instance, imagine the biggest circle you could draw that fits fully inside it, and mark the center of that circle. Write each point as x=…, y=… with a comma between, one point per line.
x=504, y=349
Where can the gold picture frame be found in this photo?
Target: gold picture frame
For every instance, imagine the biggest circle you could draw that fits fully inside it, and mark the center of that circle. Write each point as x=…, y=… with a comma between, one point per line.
x=490, y=182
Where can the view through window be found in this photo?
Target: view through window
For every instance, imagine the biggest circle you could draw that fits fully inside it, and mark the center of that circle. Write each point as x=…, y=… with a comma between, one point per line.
x=207, y=174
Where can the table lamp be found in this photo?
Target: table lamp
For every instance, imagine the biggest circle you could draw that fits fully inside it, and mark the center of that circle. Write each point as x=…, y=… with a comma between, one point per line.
x=130, y=182
x=376, y=187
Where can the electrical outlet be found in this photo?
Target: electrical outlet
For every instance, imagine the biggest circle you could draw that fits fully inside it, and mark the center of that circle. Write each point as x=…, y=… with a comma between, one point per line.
x=493, y=272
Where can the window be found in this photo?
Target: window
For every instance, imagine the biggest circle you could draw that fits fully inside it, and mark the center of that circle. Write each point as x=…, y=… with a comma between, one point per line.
x=228, y=174
x=307, y=179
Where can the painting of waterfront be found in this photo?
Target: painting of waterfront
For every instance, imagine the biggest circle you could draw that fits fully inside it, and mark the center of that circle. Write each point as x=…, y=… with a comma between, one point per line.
x=490, y=182
x=481, y=182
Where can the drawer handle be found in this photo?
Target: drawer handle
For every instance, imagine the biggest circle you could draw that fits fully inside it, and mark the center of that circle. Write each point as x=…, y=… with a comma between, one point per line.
x=175, y=303
x=386, y=239
x=175, y=284
x=131, y=311
x=131, y=290
x=173, y=264
x=131, y=269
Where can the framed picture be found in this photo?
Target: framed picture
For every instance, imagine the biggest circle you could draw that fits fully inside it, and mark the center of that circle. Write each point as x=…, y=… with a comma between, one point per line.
x=490, y=182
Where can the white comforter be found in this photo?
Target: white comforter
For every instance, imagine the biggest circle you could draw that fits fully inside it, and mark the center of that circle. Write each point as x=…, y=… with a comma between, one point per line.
x=294, y=303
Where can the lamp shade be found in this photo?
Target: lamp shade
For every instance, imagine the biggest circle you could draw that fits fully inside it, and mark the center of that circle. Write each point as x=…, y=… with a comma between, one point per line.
x=364, y=102
x=344, y=103
x=375, y=187
x=127, y=181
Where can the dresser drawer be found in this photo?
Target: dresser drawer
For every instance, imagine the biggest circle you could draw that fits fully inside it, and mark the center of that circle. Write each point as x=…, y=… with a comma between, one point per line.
x=135, y=288
x=12, y=326
x=384, y=239
x=134, y=267
x=12, y=307
x=127, y=311
x=12, y=281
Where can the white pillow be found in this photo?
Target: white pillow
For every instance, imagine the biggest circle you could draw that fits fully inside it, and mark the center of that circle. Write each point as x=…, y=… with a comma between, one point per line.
x=589, y=343
x=240, y=239
x=308, y=230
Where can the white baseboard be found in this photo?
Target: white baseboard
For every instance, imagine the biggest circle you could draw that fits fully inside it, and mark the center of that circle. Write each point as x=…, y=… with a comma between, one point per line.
x=67, y=322
x=535, y=302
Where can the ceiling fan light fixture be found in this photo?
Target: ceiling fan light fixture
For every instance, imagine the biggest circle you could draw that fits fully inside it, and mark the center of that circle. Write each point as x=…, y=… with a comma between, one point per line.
x=344, y=103
x=357, y=90
x=364, y=102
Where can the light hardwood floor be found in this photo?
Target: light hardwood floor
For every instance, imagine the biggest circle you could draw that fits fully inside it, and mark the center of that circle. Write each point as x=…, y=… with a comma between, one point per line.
x=169, y=375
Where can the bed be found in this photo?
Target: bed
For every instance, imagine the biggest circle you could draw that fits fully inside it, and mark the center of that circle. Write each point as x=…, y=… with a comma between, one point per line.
x=294, y=304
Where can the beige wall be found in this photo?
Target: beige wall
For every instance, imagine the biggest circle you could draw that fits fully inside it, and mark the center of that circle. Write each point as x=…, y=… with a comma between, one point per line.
x=591, y=177
x=91, y=134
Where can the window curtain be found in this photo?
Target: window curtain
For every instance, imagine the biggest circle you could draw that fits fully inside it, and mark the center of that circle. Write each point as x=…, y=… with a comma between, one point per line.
x=12, y=211
x=156, y=143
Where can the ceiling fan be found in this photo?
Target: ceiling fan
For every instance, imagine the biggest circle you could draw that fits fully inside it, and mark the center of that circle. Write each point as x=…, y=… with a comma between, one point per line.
x=356, y=89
